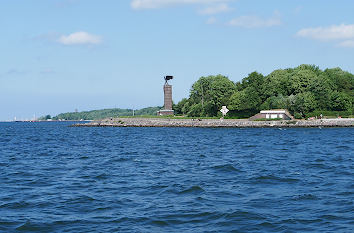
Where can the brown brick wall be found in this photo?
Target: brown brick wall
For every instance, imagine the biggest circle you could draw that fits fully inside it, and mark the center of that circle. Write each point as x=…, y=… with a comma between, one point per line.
x=167, y=89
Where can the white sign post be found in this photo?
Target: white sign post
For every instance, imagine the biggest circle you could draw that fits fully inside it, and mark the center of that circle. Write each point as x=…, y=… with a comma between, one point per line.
x=224, y=110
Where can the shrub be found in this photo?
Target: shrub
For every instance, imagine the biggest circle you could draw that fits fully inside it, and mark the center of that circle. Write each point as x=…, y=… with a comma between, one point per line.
x=297, y=115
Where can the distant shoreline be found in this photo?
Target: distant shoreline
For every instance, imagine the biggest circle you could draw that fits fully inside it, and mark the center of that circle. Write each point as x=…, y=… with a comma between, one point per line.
x=31, y=121
x=217, y=123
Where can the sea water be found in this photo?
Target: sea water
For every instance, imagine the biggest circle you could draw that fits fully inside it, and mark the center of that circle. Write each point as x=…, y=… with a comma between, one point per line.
x=55, y=178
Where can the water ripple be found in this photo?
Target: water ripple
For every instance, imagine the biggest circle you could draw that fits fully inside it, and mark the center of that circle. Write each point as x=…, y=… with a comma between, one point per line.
x=56, y=178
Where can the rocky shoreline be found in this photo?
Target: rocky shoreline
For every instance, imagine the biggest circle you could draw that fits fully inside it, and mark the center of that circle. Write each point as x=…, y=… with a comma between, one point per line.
x=216, y=123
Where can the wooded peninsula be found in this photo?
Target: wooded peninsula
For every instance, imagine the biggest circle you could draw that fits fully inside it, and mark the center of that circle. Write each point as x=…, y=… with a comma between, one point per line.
x=306, y=91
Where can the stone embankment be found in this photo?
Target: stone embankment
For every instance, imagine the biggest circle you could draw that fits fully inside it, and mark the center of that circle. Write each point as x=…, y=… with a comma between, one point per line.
x=216, y=123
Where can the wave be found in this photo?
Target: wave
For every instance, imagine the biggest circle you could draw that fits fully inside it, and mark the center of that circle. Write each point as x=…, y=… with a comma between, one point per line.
x=31, y=227
x=226, y=168
x=303, y=197
x=272, y=178
x=194, y=189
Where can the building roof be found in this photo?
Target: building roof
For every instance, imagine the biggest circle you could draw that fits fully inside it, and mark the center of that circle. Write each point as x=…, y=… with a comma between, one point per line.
x=274, y=111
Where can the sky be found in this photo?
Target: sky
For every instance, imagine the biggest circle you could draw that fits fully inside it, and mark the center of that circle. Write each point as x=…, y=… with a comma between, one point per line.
x=62, y=55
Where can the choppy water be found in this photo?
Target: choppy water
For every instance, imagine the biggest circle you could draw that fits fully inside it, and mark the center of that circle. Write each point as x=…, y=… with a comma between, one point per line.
x=55, y=178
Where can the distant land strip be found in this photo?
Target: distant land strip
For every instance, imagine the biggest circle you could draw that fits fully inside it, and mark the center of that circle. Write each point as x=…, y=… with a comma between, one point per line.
x=217, y=123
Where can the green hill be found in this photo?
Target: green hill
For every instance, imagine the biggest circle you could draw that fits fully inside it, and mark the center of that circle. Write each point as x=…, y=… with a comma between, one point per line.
x=106, y=113
x=305, y=91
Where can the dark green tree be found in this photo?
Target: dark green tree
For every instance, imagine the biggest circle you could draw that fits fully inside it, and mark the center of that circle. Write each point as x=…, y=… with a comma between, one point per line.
x=277, y=83
x=196, y=110
x=304, y=103
x=340, y=101
x=300, y=80
x=211, y=93
x=321, y=88
x=179, y=107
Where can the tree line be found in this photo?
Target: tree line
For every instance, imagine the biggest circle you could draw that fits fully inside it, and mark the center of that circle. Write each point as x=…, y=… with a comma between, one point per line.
x=104, y=113
x=305, y=91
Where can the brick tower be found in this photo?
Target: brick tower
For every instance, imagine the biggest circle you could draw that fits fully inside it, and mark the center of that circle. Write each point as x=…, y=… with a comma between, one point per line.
x=167, y=90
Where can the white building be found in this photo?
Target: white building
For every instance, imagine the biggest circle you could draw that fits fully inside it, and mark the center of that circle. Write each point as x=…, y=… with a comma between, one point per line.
x=273, y=114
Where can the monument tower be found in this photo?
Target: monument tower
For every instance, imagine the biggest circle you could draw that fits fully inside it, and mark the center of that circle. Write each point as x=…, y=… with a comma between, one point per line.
x=167, y=90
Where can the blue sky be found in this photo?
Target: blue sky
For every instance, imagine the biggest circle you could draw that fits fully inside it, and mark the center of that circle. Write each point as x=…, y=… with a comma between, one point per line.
x=62, y=55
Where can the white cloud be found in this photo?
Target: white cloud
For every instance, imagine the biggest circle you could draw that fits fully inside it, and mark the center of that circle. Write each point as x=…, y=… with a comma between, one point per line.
x=333, y=32
x=253, y=21
x=211, y=20
x=153, y=4
x=215, y=9
x=347, y=44
x=79, y=38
